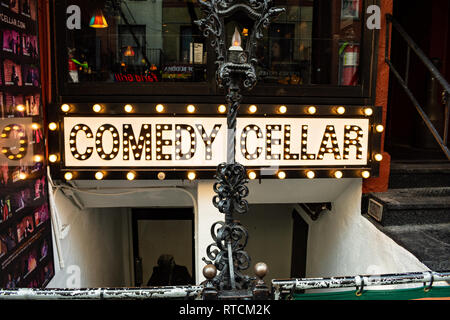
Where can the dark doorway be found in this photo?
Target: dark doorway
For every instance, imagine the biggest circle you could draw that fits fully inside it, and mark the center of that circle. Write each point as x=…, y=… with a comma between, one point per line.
x=407, y=138
x=299, y=246
x=158, y=232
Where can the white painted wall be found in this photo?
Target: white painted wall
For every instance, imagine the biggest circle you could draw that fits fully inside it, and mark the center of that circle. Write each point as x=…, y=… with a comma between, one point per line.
x=95, y=247
x=344, y=243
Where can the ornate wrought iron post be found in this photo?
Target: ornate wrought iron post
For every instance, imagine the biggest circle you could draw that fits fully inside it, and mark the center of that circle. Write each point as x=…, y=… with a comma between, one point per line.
x=236, y=71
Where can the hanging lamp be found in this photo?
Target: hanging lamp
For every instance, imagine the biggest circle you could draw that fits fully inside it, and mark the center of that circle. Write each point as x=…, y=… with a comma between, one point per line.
x=98, y=20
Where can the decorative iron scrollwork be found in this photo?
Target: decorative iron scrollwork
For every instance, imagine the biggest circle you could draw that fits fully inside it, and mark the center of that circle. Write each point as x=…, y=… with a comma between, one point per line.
x=230, y=239
x=231, y=189
x=236, y=70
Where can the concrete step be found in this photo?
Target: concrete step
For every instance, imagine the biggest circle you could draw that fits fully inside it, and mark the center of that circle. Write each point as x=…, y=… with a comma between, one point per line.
x=412, y=206
x=415, y=174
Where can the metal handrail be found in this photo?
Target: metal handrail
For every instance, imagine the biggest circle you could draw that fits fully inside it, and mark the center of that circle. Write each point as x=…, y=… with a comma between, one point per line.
x=178, y=292
x=281, y=288
x=442, y=141
x=286, y=287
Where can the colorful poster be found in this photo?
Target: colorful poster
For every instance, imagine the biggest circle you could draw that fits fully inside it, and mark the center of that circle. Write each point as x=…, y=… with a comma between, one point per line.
x=11, y=41
x=26, y=249
x=13, y=73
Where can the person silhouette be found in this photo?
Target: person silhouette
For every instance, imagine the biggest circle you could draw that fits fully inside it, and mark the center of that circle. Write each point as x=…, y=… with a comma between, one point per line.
x=168, y=273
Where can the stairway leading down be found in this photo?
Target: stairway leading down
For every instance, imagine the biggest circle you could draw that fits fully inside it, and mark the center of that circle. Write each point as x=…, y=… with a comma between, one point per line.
x=415, y=211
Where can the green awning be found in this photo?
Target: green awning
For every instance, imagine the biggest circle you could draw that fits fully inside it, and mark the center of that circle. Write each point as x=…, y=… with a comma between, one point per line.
x=398, y=294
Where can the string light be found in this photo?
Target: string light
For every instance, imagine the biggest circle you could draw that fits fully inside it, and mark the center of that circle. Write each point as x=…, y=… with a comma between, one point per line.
x=99, y=175
x=340, y=110
x=65, y=108
x=310, y=174
x=68, y=176
x=97, y=108
x=252, y=175
x=22, y=176
x=191, y=108
x=222, y=108
x=161, y=176
x=282, y=109
x=131, y=175
x=379, y=128
x=159, y=108
x=368, y=112
x=338, y=174
x=312, y=110
x=281, y=175
x=192, y=175
x=37, y=158
x=35, y=126
x=365, y=174
x=378, y=157
x=53, y=158
x=128, y=108
x=52, y=126
x=253, y=108
x=20, y=108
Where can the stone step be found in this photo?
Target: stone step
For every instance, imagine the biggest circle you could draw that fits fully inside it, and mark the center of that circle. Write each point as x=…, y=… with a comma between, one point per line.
x=419, y=174
x=413, y=206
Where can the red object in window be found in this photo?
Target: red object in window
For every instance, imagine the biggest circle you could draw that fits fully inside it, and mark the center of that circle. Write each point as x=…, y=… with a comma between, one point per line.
x=350, y=65
x=72, y=66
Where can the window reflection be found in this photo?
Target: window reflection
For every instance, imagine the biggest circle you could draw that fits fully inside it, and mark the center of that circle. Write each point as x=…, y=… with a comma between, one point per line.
x=148, y=41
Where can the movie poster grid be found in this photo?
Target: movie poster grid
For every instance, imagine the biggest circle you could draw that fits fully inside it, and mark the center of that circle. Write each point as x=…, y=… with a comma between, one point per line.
x=26, y=254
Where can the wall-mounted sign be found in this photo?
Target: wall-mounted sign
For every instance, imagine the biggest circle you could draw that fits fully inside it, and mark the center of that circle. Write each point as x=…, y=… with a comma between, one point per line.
x=180, y=142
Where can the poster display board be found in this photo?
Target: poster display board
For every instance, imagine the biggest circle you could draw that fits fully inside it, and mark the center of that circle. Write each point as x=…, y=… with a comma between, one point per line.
x=26, y=254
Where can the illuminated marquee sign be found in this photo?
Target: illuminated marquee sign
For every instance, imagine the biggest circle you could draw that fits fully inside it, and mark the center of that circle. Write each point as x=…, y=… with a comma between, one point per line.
x=177, y=141
x=201, y=142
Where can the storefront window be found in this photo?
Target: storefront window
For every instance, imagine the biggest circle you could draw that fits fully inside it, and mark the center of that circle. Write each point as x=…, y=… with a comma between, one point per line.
x=151, y=41
x=136, y=41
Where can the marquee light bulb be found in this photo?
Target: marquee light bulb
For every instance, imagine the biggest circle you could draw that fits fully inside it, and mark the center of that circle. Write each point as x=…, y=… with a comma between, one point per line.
x=312, y=110
x=53, y=158
x=341, y=110
x=191, y=108
x=22, y=176
x=365, y=174
x=52, y=126
x=338, y=174
x=310, y=174
x=192, y=176
x=37, y=158
x=161, y=176
x=282, y=109
x=252, y=175
x=128, y=108
x=379, y=128
x=281, y=175
x=222, y=108
x=68, y=176
x=368, y=112
x=35, y=126
x=97, y=108
x=20, y=108
x=378, y=157
x=159, y=108
x=131, y=175
x=99, y=175
x=65, y=108
x=253, y=108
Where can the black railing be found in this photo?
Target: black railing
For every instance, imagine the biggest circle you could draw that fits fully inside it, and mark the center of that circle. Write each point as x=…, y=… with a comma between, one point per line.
x=411, y=45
